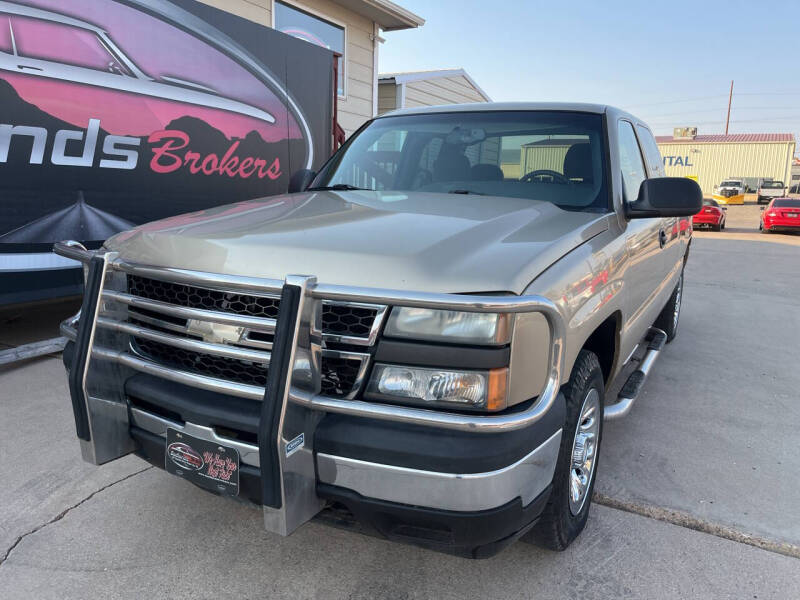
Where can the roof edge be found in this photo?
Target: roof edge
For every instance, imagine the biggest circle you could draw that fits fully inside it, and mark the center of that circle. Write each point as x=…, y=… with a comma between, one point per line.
x=388, y=15
x=410, y=76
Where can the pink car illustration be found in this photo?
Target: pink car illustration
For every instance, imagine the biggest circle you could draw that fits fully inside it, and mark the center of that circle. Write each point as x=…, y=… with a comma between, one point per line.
x=42, y=51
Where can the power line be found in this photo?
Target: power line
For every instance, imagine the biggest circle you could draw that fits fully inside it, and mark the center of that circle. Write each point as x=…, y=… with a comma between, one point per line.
x=718, y=109
x=681, y=101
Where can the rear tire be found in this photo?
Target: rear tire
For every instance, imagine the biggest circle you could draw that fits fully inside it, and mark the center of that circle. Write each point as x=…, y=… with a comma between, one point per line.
x=670, y=317
x=567, y=509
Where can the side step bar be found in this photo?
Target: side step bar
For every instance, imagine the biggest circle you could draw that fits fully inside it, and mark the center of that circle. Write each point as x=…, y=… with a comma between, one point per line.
x=656, y=338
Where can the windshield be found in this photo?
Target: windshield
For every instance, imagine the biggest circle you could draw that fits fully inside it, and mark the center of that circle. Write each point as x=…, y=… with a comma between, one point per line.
x=731, y=183
x=786, y=203
x=557, y=157
x=772, y=185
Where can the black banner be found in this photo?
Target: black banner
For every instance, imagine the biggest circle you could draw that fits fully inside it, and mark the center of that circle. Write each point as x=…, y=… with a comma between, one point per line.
x=114, y=113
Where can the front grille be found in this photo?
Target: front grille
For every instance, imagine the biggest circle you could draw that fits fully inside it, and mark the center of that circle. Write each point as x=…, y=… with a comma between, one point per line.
x=339, y=319
x=346, y=319
x=195, y=297
x=339, y=374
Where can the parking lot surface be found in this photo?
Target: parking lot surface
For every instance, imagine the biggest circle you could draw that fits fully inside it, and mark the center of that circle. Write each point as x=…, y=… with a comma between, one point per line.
x=709, y=452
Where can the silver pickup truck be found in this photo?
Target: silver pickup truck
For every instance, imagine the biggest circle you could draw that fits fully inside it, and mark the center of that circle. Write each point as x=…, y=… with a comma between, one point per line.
x=419, y=336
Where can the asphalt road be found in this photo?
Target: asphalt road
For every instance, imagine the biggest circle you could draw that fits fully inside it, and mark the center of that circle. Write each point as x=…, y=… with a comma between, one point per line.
x=709, y=454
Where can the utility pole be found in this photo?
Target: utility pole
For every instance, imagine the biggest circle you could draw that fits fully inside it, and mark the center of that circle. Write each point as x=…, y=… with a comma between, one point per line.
x=730, y=98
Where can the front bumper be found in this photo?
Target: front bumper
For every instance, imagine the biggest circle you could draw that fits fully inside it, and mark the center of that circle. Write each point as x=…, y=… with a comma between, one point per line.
x=440, y=470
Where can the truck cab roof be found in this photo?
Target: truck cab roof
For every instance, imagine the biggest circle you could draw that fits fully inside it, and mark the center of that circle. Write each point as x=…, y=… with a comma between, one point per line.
x=517, y=106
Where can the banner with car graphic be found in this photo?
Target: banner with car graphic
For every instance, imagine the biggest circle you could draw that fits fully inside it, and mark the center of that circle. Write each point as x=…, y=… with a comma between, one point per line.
x=114, y=113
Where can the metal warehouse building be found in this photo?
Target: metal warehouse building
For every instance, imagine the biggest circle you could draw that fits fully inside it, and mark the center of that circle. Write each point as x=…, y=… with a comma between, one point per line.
x=712, y=158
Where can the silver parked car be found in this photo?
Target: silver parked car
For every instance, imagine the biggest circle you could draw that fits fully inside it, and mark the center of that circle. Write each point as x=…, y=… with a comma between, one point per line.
x=475, y=278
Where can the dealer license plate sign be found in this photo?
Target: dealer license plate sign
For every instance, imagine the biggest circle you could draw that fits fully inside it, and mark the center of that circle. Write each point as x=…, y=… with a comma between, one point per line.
x=202, y=462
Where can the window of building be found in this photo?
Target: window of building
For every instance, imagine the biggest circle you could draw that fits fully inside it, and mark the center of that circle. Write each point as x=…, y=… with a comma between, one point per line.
x=308, y=27
x=630, y=161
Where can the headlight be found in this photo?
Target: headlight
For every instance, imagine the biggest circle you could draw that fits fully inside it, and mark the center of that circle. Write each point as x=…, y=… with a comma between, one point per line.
x=484, y=390
x=449, y=326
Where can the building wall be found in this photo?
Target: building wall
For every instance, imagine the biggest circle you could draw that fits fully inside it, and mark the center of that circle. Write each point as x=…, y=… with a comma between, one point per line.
x=711, y=163
x=387, y=97
x=540, y=157
x=441, y=90
x=357, y=105
x=259, y=11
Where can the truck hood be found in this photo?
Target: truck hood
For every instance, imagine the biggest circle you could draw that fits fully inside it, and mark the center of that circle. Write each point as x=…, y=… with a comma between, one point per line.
x=422, y=241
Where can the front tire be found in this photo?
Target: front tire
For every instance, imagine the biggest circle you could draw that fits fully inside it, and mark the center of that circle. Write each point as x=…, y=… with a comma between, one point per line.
x=670, y=317
x=567, y=509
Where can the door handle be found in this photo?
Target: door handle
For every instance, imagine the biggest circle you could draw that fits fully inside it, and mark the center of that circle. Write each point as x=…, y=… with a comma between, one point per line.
x=29, y=68
x=662, y=237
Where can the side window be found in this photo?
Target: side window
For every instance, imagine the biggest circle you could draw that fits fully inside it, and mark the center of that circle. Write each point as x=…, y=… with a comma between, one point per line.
x=56, y=42
x=630, y=161
x=655, y=164
x=5, y=35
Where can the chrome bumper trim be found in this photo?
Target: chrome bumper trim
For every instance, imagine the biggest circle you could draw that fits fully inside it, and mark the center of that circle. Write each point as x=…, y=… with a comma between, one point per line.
x=158, y=426
x=221, y=386
x=185, y=343
x=526, y=479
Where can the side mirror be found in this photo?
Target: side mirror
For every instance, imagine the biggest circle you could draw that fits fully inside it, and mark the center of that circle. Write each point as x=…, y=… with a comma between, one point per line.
x=724, y=208
x=762, y=208
x=300, y=180
x=666, y=197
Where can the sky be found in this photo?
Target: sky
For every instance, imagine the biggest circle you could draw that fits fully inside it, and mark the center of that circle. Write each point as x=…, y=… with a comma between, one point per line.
x=669, y=62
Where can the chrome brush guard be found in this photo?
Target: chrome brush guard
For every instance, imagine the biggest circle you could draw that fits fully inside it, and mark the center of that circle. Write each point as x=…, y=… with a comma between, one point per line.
x=293, y=403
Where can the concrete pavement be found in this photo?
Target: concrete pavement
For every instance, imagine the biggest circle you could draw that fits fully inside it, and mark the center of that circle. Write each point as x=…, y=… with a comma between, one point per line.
x=712, y=437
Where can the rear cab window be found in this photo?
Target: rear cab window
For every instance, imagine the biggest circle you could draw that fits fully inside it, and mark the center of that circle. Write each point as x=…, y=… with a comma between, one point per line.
x=786, y=203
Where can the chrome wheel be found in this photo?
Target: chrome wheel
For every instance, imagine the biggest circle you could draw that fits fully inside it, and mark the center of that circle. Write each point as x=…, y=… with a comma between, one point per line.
x=676, y=313
x=584, y=451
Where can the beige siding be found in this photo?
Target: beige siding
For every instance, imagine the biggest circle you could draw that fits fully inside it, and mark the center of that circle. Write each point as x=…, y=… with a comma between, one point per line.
x=356, y=107
x=387, y=97
x=259, y=11
x=441, y=90
x=711, y=163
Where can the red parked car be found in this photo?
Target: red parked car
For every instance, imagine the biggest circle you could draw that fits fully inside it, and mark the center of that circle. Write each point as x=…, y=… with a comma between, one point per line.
x=782, y=214
x=711, y=215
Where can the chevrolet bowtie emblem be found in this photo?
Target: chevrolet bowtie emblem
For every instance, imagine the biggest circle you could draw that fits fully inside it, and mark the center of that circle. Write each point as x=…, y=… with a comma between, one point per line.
x=215, y=333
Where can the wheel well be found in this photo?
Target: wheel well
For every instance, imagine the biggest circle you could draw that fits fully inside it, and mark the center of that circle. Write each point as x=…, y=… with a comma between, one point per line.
x=604, y=343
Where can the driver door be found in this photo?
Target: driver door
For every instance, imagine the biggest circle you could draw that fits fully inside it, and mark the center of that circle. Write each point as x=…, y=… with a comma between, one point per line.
x=646, y=266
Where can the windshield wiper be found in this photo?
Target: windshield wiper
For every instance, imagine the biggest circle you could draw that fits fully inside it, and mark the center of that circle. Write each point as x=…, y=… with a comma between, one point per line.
x=339, y=187
x=465, y=192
